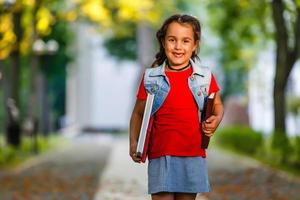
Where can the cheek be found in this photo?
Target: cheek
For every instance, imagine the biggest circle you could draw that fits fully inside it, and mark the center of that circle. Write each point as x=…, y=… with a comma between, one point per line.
x=168, y=44
x=191, y=49
x=168, y=47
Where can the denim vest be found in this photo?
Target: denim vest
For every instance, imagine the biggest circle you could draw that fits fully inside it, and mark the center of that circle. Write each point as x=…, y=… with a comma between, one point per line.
x=157, y=83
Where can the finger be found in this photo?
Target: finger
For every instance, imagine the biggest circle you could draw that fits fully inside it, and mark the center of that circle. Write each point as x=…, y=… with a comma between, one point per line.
x=207, y=125
x=133, y=155
x=210, y=128
x=210, y=119
x=209, y=135
x=133, y=151
x=205, y=128
x=135, y=159
x=209, y=132
x=211, y=125
x=206, y=132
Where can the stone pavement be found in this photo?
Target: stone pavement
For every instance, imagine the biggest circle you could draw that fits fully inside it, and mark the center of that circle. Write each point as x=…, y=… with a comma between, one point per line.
x=122, y=178
x=98, y=167
x=236, y=177
x=70, y=172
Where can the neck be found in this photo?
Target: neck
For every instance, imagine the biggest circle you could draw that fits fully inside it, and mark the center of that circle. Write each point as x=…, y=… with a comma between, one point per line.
x=177, y=69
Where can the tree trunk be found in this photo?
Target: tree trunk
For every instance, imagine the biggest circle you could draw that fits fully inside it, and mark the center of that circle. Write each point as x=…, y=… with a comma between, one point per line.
x=279, y=104
x=15, y=59
x=13, y=131
x=33, y=106
x=15, y=77
x=285, y=60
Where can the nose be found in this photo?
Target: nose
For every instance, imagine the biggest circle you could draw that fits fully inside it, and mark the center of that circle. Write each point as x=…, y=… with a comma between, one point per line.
x=178, y=45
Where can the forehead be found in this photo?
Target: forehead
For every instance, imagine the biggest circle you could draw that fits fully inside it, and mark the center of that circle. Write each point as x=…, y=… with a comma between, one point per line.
x=180, y=29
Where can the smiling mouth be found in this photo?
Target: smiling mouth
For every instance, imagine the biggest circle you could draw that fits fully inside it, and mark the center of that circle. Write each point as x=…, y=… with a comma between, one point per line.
x=178, y=55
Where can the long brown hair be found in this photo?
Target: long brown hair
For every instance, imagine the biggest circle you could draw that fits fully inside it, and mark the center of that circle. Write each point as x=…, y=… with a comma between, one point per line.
x=161, y=33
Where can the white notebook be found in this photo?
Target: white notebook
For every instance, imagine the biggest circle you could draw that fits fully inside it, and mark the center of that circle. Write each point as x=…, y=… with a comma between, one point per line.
x=145, y=123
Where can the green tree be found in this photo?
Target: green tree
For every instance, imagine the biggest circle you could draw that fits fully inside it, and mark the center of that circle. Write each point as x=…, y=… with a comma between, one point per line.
x=23, y=22
x=244, y=28
x=286, y=18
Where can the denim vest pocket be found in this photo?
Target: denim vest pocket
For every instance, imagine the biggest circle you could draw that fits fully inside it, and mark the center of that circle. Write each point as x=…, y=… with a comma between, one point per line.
x=199, y=96
x=204, y=89
x=159, y=90
x=199, y=92
x=152, y=87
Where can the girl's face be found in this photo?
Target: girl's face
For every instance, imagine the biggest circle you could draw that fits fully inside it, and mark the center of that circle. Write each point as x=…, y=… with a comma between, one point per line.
x=179, y=44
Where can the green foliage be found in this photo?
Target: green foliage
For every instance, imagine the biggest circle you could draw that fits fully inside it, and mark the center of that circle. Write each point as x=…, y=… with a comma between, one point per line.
x=280, y=147
x=280, y=140
x=2, y=111
x=276, y=150
x=122, y=47
x=281, y=152
x=242, y=139
x=243, y=28
x=54, y=67
x=57, y=64
x=122, y=42
x=293, y=105
x=11, y=156
x=295, y=156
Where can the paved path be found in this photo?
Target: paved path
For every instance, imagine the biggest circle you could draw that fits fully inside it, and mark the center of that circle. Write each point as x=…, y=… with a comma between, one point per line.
x=68, y=173
x=122, y=179
x=232, y=177
x=235, y=177
x=99, y=168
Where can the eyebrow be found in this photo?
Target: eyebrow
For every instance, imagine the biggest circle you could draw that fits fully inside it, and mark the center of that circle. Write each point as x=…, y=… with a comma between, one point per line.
x=171, y=36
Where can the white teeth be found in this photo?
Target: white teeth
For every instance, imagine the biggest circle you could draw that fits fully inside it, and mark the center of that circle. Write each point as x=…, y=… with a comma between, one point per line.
x=178, y=55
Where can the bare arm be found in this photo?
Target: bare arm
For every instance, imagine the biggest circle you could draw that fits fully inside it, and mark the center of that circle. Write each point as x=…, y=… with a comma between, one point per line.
x=211, y=124
x=135, y=126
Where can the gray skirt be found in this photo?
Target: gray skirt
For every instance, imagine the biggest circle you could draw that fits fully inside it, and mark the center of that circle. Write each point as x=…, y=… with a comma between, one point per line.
x=178, y=174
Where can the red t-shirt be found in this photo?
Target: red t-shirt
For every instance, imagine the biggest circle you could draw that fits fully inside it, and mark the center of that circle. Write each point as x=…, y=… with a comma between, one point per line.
x=176, y=128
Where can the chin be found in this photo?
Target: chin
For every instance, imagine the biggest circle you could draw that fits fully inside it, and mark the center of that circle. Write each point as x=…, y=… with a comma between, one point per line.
x=177, y=63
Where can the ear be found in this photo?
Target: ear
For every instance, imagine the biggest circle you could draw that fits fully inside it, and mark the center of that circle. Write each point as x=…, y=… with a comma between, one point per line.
x=195, y=46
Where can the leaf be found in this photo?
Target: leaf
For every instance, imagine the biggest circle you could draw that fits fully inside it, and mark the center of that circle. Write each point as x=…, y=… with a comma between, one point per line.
x=298, y=3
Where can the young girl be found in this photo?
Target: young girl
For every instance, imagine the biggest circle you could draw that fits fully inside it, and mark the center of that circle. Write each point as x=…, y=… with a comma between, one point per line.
x=177, y=166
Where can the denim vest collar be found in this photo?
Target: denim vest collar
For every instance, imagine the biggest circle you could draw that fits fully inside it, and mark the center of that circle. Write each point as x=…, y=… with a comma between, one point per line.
x=156, y=82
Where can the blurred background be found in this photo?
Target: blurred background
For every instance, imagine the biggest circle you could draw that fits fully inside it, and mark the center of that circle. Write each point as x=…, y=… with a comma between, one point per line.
x=71, y=68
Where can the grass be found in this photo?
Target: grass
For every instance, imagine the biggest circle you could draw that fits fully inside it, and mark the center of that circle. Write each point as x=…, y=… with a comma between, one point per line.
x=284, y=156
x=273, y=157
x=11, y=156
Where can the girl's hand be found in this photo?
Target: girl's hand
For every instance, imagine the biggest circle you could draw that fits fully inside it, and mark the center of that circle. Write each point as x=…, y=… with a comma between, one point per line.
x=132, y=152
x=210, y=125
